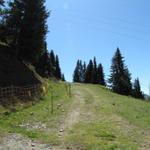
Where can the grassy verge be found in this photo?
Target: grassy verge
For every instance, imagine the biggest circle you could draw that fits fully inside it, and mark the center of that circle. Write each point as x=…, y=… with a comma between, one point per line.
x=110, y=122
x=105, y=121
x=133, y=110
x=98, y=136
x=37, y=121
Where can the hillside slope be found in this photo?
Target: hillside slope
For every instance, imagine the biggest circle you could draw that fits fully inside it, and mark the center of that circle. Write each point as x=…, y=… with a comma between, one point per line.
x=92, y=119
x=13, y=72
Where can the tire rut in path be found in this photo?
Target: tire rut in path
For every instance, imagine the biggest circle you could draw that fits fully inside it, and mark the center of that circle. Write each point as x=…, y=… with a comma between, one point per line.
x=71, y=119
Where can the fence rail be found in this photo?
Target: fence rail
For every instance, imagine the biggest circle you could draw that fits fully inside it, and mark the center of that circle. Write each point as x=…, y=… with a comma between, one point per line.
x=23, y=92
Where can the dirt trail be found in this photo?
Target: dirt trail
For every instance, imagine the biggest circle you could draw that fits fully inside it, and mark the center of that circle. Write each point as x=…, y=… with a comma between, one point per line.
x=75, y=114
x=71, y=119
x=18, y=142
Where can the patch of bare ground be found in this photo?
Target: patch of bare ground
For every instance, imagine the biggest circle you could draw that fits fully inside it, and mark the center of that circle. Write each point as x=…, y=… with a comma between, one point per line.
x=18, y=142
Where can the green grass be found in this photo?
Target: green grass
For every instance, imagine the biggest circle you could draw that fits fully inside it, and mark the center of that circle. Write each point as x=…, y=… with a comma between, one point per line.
x=134, y=110
x=98, y=136
x=40, y=113
x=114, y=122
x=107, y=121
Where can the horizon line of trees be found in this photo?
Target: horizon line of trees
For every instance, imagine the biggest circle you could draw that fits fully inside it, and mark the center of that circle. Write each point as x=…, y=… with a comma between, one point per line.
x=49, y=66
x=23, y=28
x=119, y=80
x=91, y=73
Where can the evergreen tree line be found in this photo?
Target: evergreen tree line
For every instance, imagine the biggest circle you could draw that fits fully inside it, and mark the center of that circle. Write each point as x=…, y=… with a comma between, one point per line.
x=23, y=27
x=91, y=73
x=119, y=80
x=48, y=65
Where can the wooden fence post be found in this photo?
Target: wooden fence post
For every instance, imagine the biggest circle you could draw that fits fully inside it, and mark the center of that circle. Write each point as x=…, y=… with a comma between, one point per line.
x=69, y=90
x=66, y=86
x=52, y=101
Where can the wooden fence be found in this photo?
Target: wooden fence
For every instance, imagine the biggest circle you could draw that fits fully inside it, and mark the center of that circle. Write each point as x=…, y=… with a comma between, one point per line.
x=22, y=93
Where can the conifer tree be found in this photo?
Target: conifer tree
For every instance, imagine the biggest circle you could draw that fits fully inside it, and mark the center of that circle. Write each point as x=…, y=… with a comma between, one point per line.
x=53, y=62
x=89, y=72
x=58, y=70
x=52, y=57
x=80, y=71
x=83, y=72
x=100, y=75
x=76, y=75
x=27, y=25
x=44, y=66
x=127, y=82
x=94, y=72
x=120, y=79
x=9, y=26
x=137, y=93
x=33, y=30
x=63, y=77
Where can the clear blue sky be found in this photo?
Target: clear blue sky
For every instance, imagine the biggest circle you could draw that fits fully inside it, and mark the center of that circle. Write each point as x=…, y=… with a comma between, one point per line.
x=82, y=29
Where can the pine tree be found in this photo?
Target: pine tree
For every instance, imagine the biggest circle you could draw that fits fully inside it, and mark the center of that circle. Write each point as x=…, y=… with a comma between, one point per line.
x=89, y=72
x=10, y=21
x=100, y=75
x=33, y=30
x=76, y=75
x=63, y=78
x=53, y=62
x=83, y=72
x=120, y=79
x=13, y=22
x=58, y=70
x=137, y=93
x=44, y=66
x=27, y=25
x=80, y=72
x=127, y=82
x=94, y=72
x=52, y=57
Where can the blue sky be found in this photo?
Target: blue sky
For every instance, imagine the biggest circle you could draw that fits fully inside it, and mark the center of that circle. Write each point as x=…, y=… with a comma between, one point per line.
x=82, y=29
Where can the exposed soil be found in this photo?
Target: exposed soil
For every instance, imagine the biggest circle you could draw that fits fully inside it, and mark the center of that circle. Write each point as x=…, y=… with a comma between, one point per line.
x=18, y=142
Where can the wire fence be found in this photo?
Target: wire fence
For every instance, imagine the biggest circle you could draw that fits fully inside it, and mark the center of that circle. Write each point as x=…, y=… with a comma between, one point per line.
x=22, y=92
